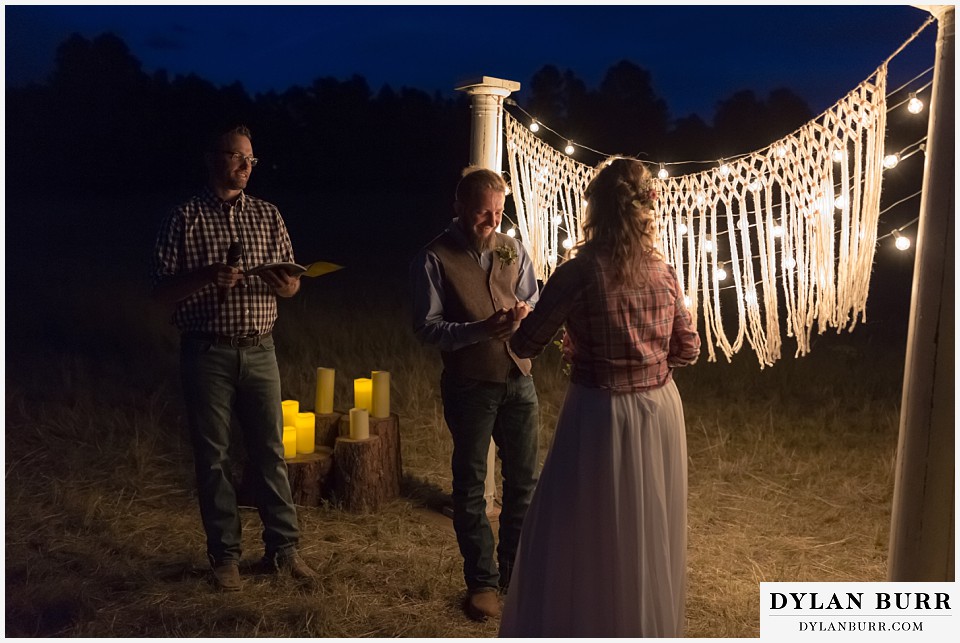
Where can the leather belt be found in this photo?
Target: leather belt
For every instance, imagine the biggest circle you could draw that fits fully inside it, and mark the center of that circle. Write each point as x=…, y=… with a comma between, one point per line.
x=227, y=340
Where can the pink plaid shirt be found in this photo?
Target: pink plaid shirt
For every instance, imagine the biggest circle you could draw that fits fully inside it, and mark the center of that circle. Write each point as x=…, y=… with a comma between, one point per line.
x=624, y=338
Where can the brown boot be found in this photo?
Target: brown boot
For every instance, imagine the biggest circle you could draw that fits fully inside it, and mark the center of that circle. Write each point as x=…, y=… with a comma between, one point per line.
x=226, y=575
x=482, y=603
x=292, y=564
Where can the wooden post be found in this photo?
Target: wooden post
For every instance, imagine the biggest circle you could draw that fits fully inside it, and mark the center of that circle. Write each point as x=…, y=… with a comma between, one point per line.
x=922, y=524
x=358, y=483
x=486, y=150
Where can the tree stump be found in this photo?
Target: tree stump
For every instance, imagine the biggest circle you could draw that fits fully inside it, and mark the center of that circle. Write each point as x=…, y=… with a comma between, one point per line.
x=358, y=479
x=309, y=475
x=388, y=430
x=327, y=429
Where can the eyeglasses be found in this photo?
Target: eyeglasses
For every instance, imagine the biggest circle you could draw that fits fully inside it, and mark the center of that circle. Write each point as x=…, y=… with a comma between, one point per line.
x=237, y=157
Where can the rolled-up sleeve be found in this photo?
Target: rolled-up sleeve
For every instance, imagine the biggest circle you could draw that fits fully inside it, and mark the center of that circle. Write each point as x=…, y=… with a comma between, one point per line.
x=684, y=339
x=559, y=296
x=429, y=326
x=164, y=262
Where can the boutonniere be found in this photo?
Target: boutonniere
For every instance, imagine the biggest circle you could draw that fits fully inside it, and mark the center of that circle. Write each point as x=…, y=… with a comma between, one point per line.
x=507, y=255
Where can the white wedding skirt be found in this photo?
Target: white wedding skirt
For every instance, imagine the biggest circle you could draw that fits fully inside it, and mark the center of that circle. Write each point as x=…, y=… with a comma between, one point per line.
x=603, y=547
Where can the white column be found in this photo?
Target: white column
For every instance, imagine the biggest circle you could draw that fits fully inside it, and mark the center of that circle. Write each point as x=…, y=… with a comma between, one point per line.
x=486, y=150
x=922, y=524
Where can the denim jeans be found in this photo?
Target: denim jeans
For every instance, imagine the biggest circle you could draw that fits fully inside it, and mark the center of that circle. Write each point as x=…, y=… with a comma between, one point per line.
x=217, y=381
x=508, y=412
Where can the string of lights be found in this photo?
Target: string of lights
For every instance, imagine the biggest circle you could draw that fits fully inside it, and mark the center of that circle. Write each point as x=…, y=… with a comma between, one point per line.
x=915, y=105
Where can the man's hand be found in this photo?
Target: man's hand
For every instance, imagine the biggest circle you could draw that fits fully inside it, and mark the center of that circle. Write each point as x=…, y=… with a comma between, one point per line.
x=284, y=284
x=224, y=276
x=503, y=323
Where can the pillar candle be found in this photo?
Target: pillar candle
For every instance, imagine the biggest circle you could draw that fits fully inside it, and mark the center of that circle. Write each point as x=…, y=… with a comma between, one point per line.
x=362, y=391
x=381, y=394
x=359, y=424
x=289, y=441
x=290, y=410
x=306, y=428
x=324, y=401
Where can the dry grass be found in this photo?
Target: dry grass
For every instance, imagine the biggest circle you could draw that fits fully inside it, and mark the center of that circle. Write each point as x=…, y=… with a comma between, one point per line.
x=790, y=479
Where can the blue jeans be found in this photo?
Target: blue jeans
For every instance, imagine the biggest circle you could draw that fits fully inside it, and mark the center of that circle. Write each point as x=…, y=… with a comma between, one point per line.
x=508, y=412
x=218, y=380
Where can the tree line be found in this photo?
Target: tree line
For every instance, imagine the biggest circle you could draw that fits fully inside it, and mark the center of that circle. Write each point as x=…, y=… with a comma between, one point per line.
x=100, y=124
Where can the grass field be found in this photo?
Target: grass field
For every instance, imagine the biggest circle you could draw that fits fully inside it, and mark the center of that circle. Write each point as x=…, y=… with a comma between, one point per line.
x=791, y=467
x=791, y=474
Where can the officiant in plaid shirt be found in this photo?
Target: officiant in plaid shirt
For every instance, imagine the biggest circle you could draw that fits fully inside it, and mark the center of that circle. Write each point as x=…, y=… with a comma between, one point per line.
x=227, y=361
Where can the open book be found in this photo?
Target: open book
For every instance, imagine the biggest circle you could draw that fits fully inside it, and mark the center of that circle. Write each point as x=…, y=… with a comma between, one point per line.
x=315, y=269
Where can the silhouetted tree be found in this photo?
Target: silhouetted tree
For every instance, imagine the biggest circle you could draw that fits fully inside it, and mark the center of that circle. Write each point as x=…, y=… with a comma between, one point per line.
x=635, y=118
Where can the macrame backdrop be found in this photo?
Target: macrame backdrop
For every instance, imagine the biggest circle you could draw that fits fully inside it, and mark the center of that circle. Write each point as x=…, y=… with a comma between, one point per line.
x=793, y=225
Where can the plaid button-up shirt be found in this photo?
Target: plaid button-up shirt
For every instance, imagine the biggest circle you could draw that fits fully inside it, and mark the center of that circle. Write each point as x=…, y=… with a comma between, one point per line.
x=198, y=233
x=624, y=338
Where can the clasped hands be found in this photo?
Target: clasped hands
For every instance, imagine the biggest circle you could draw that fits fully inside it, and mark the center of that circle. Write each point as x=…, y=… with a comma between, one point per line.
x=504, y=322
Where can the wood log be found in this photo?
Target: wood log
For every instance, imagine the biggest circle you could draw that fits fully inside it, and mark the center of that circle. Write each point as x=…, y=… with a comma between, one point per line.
x=327, y=429
x=309, y=476
x=358, y=483
x=388, y=430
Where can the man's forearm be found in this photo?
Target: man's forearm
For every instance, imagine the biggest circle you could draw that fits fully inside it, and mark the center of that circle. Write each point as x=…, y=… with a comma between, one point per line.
x=178, y=287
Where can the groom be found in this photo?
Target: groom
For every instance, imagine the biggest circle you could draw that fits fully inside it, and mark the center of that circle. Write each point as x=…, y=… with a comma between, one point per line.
x=472, y=286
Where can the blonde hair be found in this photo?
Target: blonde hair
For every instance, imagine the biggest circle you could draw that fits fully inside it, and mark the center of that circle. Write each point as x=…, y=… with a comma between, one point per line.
x=619, y=219
x=475, y=180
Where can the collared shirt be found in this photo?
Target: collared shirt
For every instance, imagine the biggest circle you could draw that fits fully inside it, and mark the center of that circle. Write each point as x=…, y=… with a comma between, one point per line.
x=624, y=338
x=198, y=233
x=429, y=326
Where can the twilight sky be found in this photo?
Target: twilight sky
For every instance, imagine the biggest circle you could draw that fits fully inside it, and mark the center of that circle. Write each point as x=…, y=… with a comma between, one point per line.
x=697, y=55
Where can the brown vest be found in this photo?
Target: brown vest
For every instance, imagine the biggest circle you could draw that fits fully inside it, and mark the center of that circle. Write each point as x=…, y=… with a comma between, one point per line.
x=470, y=294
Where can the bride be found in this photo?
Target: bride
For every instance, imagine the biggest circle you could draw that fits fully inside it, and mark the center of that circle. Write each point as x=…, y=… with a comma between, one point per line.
x=603, y=547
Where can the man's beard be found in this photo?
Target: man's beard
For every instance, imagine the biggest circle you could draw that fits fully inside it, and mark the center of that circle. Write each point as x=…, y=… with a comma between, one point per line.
x=482, y=244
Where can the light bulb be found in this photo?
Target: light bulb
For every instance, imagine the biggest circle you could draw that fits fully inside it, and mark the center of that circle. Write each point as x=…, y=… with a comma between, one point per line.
x=569, y=148
x=837, y=156
x=789, y=263
x=902, y=242
x=777, y=230
x=724, y=169
x=534, y=126
x=662, y=174
x=568, y=243
x=512, y=232
x=721, y=273
x=754, y=186
x=708, y=245
x=687, y=301
x=781, y=151
x=701, y=198
x=840, y=201
x=915, y=106
x=682, y=228
x=750, y=298
x=552, y=258
x=890, y=161
x=740, y=223
x=557, y=219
